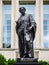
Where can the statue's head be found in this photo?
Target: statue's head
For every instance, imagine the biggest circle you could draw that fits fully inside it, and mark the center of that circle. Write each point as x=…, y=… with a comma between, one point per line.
x=22, y=10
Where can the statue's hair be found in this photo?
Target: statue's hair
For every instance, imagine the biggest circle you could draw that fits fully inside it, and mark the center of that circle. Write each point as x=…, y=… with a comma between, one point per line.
x=22, y=8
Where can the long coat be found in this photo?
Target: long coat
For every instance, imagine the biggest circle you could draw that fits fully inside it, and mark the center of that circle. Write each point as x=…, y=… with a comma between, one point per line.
x=26, y=29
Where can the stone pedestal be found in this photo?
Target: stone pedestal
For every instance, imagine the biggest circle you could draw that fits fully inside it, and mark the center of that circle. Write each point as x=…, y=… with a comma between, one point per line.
x=25, y=61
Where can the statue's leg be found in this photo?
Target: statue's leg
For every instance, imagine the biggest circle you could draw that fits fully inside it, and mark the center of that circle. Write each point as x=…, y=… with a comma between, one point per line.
x=30, y=50
x=25, y=51
x=21, y=47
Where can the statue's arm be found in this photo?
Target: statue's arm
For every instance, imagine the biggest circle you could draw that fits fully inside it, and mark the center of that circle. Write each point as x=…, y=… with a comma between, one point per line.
x=17, y=27
x=32, y=22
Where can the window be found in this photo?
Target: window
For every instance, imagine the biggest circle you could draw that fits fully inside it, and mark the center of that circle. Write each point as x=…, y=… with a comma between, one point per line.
x=7, y=26
x=46, y=25
x=30, y=9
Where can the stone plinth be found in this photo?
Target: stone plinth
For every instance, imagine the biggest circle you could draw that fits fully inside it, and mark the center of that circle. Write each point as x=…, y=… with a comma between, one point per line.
x=26, y=61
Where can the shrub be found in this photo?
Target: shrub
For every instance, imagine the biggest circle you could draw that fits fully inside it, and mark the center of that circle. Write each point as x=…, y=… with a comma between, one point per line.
x=3, y=60
x=11, y=61
x=43, y=62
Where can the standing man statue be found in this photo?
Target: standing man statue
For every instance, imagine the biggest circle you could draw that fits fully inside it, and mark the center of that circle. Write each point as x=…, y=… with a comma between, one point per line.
x=26, y=29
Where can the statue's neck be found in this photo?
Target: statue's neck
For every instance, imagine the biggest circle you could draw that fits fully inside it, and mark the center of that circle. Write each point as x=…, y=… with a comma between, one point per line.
x=23, y=14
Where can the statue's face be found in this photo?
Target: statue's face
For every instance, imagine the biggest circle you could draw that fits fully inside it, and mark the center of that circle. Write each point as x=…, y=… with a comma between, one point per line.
x=22, y=11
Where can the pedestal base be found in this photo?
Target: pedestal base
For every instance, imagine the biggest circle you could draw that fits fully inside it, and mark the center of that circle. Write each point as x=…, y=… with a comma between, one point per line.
x=26, y=61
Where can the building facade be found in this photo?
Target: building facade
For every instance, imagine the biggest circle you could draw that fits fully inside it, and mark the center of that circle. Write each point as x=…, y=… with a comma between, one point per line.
x=9, y=14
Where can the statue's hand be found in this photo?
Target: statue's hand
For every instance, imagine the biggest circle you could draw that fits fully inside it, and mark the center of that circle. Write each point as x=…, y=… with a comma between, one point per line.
x=29, y=28
x=32, y=26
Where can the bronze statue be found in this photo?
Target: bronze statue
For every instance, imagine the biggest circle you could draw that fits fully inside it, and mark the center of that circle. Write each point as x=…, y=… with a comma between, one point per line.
x=26, y=29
